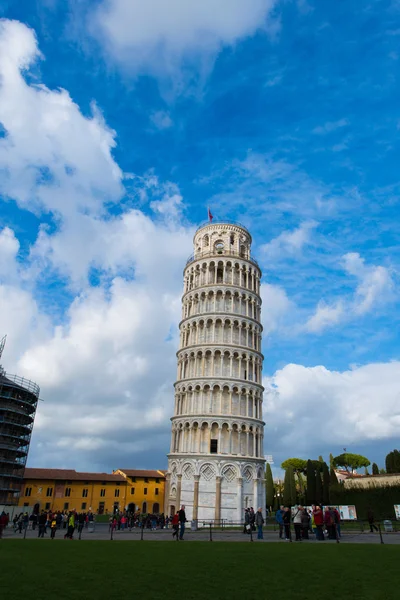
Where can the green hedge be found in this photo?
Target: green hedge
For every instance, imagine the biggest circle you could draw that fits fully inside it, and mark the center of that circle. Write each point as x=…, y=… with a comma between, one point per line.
x=380, y=498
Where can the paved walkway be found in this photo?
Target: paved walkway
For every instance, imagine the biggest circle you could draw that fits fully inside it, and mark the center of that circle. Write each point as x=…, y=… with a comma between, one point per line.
x=102, y=533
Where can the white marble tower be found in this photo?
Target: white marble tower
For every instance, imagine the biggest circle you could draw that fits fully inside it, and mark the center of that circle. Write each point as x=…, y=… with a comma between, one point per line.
x=216, y=459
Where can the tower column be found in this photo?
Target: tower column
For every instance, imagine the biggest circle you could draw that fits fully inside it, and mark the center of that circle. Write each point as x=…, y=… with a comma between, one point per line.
x=218, y=498
x=240, y=516
x=178, y=492
x=196, y=497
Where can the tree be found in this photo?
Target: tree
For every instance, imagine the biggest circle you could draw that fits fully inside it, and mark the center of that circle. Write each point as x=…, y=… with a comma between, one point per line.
x=382, y=471
x=311, y=483
x=289, y=488
x=332, y=475
x=393, y=462
x=321, y=460
x=269, y=487
x=299, y=466
x=326, y=483
x=286, y=487
x=331, y=462
x=352, y=461
x=293, y=491
x=318, y=488
x=375, y=469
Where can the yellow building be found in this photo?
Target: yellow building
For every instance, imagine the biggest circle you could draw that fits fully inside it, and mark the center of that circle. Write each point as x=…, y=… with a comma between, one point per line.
x=145, y=489
x=102, y=493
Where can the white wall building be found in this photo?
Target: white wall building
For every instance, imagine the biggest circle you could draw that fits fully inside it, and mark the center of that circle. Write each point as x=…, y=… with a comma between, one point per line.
x=216, y=459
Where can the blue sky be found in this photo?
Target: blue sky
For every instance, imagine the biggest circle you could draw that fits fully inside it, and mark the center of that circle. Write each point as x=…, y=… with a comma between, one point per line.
x=120, y=124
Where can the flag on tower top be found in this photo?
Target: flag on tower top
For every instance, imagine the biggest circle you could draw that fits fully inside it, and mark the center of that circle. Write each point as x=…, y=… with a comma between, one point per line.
x=210, y=216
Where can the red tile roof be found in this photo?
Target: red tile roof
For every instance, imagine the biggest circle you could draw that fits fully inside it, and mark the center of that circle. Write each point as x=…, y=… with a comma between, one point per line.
x=139, y=473
x=70, y=474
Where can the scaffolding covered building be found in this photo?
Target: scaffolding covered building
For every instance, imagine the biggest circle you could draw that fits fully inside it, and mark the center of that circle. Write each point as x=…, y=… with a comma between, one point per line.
x=18, y=403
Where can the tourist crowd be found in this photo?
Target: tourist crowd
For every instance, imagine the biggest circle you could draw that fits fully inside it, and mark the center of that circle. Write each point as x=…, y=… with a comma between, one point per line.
x=305, y=521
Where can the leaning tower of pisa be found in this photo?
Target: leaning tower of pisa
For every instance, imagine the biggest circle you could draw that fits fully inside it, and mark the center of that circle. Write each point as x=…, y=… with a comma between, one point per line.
x=216, y=461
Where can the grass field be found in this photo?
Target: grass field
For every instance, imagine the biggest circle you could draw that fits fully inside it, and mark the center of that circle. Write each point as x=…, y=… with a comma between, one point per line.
x=62, y=569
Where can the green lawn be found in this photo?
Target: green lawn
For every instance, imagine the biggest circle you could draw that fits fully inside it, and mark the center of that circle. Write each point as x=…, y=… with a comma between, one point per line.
x=62, y=569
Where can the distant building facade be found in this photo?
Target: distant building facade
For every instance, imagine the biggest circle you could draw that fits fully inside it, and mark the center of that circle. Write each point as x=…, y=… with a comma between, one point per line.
x=102, y=493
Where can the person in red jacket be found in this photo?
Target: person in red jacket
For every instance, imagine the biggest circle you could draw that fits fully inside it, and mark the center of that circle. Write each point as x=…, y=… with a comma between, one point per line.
x=175, y=525
x=319, y=522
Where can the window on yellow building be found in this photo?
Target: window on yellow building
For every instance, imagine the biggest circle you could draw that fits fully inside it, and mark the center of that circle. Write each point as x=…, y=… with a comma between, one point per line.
x=47, y=507
x=144, y=507
x=156, y=491
x=146, y=480
x=28, y=491
x=83, y=506
x=26, y=503
x=132, y=491
x=49, y=492
x=85, y=493
x=104, y=483
x=133, y=479
x=66, y=505
x=67, y=492
x=157, y=480
x=116, y=493
x=145, y=491
x=102, y=493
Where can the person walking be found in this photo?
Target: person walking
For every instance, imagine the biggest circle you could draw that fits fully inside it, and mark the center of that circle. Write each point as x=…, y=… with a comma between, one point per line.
x=53, y=528
x=42, y=523
x=71, y=527
x=336, y=516
x=305, y=524
x=298, y=511
x=279, y=520
x=182, y=521
x=246, y=526
x=175, y=525
x=259, y=522
x=286, y=522
x=371, y=520
x=319, y=522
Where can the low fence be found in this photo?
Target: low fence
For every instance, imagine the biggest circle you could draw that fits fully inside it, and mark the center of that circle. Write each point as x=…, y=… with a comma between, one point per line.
x=222, y=530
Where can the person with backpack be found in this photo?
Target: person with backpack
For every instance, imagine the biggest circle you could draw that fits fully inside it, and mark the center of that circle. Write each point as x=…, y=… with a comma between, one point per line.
x=286, y=523
x=298, y=511
x=259, y=519
x=279, y=520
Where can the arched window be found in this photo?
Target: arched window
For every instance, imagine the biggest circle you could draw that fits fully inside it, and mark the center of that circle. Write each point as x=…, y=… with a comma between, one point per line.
x=156, y=508
x=144, y=507
x=219, y=246
x=206, y=241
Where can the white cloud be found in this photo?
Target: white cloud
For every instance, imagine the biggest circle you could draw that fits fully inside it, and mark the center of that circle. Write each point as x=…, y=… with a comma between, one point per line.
x=375, y=283
x=325, y=316
x=53, y=158
x=161, y=37
x=161, y=119
x=312, y=408
x=289, y=243
x=106, y=361
x=277, y=308
x=330, y=126
x=375, y=287
x=9, y=247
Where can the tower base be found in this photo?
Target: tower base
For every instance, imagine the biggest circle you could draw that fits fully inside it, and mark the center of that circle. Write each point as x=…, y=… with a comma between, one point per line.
x=214, y=489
